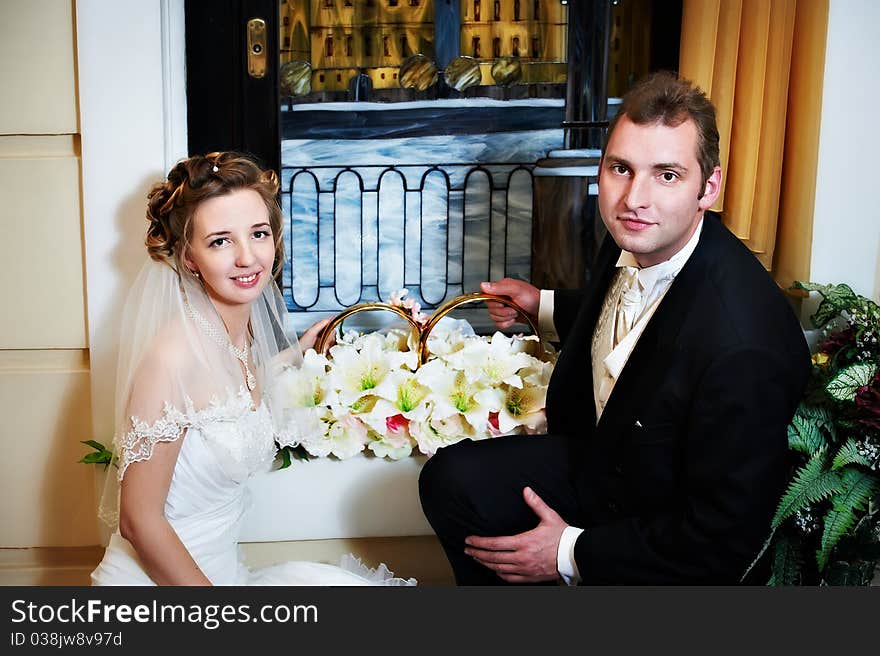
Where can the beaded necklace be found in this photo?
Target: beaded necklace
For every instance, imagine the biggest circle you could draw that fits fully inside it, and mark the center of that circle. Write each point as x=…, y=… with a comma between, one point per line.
x=222, y=339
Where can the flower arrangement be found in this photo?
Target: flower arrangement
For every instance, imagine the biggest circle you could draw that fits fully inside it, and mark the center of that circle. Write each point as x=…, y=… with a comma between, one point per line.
x=377, y=392
x=826, y=529
x=422, y=387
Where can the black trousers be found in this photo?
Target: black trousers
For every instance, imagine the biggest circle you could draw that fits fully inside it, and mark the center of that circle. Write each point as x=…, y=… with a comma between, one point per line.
x=476, y=488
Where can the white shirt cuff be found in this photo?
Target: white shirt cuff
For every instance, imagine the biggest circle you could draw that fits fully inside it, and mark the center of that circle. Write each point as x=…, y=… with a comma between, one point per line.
x=545, y=316
x=565, y=563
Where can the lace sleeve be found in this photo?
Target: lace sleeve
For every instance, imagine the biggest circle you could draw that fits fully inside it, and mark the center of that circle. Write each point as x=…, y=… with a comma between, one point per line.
x=137, y=444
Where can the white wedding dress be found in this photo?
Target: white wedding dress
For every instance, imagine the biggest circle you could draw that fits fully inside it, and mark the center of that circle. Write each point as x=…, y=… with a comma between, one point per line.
x=224, y=444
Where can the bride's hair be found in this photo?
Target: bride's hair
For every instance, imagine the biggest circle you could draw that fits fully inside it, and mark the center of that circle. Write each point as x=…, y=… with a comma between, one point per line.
x=172, y=203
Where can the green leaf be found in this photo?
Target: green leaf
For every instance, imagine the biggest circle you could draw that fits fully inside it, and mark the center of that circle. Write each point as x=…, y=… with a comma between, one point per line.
x=100, y=456
x=760, y=555
x=804, y=431
x=848, y=380
x=857, y=489
x=288, y=453
x=787, y=562
x=835, y=299
x=95, y=445
x=96, y=458
x=812, y=483
x=848, y=454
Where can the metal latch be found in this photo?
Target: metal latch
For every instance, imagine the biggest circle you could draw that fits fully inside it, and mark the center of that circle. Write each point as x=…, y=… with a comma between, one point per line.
x=256, y=47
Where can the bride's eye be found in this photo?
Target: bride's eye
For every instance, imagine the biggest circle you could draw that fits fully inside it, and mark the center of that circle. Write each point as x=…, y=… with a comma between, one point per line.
x=260, y=234
x=218, y=242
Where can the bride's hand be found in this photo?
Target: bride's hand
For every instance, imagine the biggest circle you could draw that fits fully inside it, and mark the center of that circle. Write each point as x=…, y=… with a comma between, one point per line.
x=308, y=339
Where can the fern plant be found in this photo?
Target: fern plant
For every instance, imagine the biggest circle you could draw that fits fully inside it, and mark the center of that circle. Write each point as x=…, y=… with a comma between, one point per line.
x=826, y=529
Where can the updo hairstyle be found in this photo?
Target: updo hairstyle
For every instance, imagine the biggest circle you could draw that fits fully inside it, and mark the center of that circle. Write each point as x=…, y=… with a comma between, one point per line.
x=172, y=204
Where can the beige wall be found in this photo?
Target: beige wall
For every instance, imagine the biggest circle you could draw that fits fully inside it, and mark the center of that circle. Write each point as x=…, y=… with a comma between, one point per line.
x=45, y=496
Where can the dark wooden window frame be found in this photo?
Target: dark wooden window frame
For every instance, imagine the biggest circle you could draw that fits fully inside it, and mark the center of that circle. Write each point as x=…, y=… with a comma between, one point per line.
x=226, y=108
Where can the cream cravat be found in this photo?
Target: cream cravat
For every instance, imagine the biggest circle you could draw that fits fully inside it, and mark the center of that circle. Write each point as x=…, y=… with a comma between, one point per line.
x=629, y=303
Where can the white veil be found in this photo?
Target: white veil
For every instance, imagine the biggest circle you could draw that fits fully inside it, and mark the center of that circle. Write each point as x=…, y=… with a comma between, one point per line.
x=175, y=363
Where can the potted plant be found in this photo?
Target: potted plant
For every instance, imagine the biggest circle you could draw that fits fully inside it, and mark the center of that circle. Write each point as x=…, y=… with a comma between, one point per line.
x=826, y=529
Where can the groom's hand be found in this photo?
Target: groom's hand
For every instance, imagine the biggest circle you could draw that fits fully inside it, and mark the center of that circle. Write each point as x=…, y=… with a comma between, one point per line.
x=529, y=557
x=520, y=292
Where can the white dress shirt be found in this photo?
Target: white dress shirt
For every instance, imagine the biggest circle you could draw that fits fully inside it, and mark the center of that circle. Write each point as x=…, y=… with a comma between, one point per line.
x=610, y=354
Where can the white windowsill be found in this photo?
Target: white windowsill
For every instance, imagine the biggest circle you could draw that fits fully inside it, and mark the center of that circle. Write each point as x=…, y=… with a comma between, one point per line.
x=325, y=498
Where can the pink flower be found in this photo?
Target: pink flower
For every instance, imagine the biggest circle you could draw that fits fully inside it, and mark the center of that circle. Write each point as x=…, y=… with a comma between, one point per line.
x=397, y=297
x=396, y=425
x=494, y=430
x=837, y=341
x=416, y=310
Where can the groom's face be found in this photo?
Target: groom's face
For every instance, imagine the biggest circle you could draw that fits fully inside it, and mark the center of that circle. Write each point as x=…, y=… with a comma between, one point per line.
x=651, y=190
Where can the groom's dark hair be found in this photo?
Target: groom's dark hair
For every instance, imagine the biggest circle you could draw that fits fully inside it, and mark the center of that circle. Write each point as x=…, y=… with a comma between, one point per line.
x=664, y=98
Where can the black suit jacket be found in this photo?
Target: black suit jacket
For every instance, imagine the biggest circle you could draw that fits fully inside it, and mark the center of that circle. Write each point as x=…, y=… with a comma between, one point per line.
x=682, y=474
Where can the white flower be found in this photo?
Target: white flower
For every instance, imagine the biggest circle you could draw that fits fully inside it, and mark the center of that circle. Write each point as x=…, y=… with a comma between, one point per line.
x=524, y=343
x=452, y=393
x=303, y=386
x=402, y=389
x=395, y=442
x=448, y=336
x=517, y=407
x=360, y=367
x=398, y=394
x=436, y=433
x=384, y=449
x=345, y=437
x=491, y=363
x=537, y=373
x=401, y=339
x=303, y=426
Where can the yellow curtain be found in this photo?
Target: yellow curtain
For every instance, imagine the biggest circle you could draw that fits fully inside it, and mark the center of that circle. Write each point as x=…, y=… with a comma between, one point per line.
x=762, y=63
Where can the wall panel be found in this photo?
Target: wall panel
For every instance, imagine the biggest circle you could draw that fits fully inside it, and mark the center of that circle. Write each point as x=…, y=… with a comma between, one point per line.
x=47, y=498
x=37, y=67
x=44, y=260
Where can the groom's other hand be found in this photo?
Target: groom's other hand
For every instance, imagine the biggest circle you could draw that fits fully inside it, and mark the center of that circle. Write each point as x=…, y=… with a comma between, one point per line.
x=528, y=557
x=520, y=292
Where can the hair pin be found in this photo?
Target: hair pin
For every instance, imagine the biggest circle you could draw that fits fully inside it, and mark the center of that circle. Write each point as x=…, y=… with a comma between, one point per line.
x=215, y=169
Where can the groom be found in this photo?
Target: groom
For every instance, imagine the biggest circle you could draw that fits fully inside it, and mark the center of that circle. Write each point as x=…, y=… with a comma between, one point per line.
x=681, y=366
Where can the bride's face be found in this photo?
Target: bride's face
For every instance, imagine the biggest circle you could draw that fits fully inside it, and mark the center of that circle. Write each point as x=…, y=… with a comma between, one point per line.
x=232, y=247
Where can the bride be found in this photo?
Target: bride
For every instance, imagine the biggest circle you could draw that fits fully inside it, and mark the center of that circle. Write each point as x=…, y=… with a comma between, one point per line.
x=196, y=413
